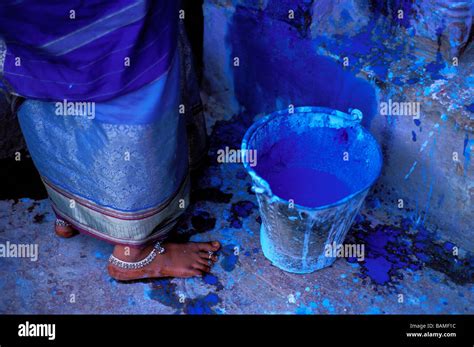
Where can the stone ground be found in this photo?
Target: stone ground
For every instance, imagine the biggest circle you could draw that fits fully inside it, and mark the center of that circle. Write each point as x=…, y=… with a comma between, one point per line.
x=407, y=269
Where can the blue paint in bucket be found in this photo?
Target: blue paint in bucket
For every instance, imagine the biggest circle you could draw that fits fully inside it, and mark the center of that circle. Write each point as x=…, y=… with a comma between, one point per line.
x=304, y=185
x=314, y=169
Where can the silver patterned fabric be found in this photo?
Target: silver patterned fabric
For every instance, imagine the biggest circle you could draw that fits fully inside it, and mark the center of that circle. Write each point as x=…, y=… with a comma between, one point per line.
x=116, y=169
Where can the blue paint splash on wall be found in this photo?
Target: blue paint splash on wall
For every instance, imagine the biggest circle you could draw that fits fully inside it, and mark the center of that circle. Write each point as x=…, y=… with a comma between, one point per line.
x=267, y=51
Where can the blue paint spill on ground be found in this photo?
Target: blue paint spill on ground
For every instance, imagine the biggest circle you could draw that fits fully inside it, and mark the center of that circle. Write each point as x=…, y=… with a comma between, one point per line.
x=202, y=305
x=378, y=269
x=434, y=68
x=212, y=280
x=164, y=292
x=202, y=221
x=239, y=210
x=328, y=306
x=303, y=310
x=100, y=255
x=229, y=258
x=374, y=310
x=390, y=249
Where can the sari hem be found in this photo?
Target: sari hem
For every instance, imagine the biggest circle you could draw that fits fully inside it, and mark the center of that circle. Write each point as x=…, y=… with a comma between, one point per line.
x=135, y=230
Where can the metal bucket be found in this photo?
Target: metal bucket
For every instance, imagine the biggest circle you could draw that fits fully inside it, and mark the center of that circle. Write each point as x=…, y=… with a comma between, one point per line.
x=294, y=237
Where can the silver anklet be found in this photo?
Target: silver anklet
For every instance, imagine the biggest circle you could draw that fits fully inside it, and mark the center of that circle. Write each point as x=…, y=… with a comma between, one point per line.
x=157, y=249
x=62, y=223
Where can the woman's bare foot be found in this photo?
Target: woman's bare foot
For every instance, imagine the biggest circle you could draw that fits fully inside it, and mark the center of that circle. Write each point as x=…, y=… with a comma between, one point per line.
x=179, y=260
x=64, y=229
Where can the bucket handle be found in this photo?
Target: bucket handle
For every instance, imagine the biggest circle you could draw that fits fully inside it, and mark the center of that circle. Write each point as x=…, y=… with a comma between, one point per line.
x=355, y=115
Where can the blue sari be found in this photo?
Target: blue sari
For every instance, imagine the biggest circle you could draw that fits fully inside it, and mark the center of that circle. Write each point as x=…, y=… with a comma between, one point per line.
x=89, y=50
x=117, y=169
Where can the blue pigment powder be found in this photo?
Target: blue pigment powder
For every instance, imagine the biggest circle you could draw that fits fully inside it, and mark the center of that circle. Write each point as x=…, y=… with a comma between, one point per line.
x=306, y=187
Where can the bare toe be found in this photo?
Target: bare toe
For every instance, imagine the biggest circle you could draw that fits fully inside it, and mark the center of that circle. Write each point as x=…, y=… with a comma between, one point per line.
x=209, y=246
x=205, y=255
x=202, y=267
x=195, y=273
x=205, y=262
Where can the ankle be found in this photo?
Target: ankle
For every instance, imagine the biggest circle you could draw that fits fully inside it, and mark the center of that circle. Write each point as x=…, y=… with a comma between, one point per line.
x=132, y=254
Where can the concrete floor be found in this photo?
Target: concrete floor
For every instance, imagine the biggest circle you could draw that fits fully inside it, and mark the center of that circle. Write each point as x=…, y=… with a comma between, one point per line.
x=405, y=270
